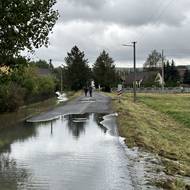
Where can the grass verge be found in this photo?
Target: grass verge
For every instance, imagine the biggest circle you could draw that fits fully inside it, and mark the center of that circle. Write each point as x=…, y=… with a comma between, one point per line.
x=159, y=124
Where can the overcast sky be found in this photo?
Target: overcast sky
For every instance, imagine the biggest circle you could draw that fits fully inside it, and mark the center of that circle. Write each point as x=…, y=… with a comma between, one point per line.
x=94, y=25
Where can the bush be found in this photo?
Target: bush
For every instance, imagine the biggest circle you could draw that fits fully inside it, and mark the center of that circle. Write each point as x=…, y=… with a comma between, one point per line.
x=30, y=83
x=11, y=97
x=36, y=87
x=24, y=87
x=46, y=86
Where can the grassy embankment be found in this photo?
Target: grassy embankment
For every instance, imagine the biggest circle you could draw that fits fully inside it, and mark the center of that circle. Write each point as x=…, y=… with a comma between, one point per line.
x=159, y=123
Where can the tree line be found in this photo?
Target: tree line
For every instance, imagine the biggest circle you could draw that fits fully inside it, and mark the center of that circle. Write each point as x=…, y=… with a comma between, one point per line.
x=77, y=74
x=25, y=25
x=21, y=82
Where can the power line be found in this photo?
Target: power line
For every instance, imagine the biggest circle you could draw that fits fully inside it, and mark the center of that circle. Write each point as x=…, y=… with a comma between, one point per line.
x=159, y=14
x=164, y=9
x=153, y=13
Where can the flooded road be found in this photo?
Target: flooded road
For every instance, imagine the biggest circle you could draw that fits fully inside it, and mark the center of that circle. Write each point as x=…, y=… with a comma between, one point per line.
x=74, y=152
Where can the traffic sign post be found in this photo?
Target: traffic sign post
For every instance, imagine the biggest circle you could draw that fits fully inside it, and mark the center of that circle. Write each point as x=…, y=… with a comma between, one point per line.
x=119, y=91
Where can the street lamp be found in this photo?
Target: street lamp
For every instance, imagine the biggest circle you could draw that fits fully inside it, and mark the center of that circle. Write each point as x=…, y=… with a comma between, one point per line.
x=62, y=66
x=134, y=55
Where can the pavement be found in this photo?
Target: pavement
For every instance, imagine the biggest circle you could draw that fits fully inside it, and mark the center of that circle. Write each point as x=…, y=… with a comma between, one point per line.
x=99, y=103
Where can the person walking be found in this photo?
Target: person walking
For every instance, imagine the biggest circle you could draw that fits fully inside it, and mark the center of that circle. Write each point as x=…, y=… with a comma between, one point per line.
x=85, y=90
x=90, y=90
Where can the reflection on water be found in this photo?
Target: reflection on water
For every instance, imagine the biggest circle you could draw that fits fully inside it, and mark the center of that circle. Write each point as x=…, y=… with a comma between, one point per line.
x=20, y=132
x=72, y=153
x=76, y=124
x=11, y=176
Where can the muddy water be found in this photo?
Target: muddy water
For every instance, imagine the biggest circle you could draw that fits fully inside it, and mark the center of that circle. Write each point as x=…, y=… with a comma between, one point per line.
x=75, y=152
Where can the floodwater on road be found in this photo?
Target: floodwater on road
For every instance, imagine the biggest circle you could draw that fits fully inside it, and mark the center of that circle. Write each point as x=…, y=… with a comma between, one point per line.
x=74, y=152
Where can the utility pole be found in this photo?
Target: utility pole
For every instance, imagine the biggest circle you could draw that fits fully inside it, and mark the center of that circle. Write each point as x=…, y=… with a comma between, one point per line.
x=50, y=64
x=61, y=80
x=162, y=70
x=134, y=59
x=134, y=55
x=50, y=61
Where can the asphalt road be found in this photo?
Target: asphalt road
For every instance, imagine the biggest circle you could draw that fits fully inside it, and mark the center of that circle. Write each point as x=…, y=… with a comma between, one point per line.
x=99, y=103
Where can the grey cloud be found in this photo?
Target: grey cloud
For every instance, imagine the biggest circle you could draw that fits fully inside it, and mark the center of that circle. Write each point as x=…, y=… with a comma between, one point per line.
x=88, y=3
x=125, y=12
x=92, y=38
x=94, y=26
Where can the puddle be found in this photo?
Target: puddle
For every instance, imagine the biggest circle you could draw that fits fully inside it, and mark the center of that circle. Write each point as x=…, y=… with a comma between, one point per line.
x=73, y=152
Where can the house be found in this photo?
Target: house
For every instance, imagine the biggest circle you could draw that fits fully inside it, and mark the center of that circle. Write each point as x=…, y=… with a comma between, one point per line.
x=43, y=71
x=144, y=79
x=147, y=78
x=123, y=72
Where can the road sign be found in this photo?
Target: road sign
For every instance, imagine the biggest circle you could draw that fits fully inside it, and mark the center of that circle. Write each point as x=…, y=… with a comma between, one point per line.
x=119, y=90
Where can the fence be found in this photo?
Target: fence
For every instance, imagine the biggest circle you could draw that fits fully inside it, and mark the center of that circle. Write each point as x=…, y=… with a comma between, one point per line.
x=157, y=90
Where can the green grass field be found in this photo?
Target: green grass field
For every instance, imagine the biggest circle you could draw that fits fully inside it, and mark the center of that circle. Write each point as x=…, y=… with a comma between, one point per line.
x=159, y=123
x=175, y=105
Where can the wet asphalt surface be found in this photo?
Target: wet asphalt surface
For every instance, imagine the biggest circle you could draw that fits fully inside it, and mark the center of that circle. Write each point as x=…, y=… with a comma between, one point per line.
x=99, y=103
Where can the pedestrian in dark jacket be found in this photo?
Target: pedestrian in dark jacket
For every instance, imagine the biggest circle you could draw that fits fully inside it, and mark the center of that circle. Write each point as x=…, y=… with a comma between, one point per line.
x=85, y=90
x=90, y=91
